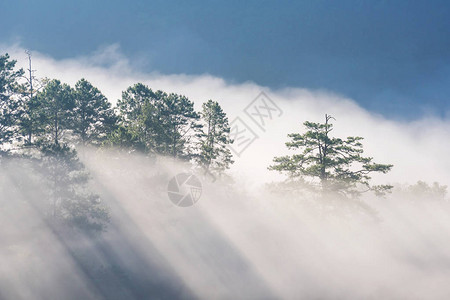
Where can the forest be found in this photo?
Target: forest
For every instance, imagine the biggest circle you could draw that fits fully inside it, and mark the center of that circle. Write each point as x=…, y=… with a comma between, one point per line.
x=45, y=120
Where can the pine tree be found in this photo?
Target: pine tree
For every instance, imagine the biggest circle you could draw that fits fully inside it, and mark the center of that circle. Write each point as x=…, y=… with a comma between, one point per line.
x=136, y=115
x=56, y=106
x=178, y=126
x=9, y=99
x=215, y=156
x=337, y=163
x=31, y=120
x=94, y=118
x=158, y=122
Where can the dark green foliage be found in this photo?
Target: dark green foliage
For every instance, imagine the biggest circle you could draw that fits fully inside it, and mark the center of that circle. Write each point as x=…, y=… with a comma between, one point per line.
x=9, y=99
x=214, y=156
x=93, y=118
x=178, y=126
x=138, y=117
x=32, y=121
x=56, y=105
x=123, y=138
x=337, y=163
x=158, y=122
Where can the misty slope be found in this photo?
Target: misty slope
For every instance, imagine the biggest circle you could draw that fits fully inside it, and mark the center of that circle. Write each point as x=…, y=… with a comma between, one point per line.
x=234, y=243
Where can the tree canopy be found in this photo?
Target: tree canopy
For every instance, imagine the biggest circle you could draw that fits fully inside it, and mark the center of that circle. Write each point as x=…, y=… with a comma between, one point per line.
x=157, y=122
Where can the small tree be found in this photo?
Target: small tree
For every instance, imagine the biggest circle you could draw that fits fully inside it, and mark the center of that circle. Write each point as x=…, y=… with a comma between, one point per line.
x=214, y=156
x=337, y=163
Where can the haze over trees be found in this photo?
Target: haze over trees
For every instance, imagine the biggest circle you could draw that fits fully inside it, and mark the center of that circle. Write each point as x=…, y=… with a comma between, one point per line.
x=69, y=200
x=46, y=125
x=158, y=123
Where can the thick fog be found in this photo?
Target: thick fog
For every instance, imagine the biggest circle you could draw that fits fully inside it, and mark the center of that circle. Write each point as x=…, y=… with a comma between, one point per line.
x=234, y=243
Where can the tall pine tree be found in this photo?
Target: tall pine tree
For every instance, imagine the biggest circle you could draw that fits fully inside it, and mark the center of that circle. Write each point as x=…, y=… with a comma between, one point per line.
x=178, y=126
x=338, y=164
x=93, y=118
x=215, y=156
x=9, y=99
x=56, y=105
x=31, y=120
x=137, y=110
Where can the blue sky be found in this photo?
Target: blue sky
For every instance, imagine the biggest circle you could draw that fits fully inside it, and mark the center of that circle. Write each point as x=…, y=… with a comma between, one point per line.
x=392, y=57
